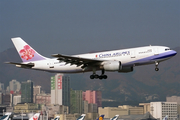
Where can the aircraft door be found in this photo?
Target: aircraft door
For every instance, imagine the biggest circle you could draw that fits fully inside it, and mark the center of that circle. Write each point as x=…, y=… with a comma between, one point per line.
x=156, y=51
x=133, y=54
x=51, y=64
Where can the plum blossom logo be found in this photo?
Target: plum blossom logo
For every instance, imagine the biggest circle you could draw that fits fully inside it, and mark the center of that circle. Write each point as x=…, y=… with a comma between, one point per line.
x=35, y=117
x=27, y=53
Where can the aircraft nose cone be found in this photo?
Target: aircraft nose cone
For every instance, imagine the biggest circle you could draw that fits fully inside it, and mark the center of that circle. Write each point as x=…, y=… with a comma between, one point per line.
x=174, y=52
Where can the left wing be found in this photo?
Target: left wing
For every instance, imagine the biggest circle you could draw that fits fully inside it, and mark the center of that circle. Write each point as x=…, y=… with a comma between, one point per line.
x=76, y=60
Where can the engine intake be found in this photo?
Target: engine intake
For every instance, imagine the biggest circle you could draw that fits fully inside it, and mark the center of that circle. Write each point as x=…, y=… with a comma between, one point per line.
x=112, y=65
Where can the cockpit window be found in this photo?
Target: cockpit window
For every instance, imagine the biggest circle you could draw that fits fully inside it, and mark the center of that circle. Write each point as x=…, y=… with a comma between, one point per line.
x=167, y=49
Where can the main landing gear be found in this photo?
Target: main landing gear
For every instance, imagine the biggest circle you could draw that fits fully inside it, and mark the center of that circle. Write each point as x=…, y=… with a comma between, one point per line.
x=156, y=64
x=95, y=76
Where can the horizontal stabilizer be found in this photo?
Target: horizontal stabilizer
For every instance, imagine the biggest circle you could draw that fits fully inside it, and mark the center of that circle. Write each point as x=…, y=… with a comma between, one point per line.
x=28, y=65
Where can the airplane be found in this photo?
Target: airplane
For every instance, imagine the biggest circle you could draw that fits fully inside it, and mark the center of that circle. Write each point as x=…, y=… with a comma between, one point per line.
x=57, y=118
x=166, y=117
x=100, y=118
x=35, y=116
x=115, y=117
x=82, y=117
x=123, y=60
x=6, y=116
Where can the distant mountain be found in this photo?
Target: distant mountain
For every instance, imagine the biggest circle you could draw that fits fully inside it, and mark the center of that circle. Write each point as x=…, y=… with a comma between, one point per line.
x=143, y=84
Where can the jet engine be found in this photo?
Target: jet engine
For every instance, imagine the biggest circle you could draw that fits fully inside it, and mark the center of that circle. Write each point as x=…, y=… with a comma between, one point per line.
x=112, y=65
x=115, y=66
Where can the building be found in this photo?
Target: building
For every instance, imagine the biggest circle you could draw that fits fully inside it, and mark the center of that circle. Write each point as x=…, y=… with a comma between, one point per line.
x=1, y=98
x=60, y=90
x=26, y=108
x=76, y=101
x=7, y=99
x=36, y=90
x=92, y=108
x=110, y=112
x=43, y=99
x=173, y=99
x=16, y=99
x=27, y=92
x=146, y=116
x=55, y=109
x=146, y=107
x=1, y=87
x=161, y=109
x=94, y=97
x=85, y=107
x=133, y=110
x=14, y=86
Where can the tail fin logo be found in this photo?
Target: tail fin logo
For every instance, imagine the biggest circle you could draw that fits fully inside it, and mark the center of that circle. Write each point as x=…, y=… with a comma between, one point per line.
x=100, y=118
x=35, y=117
x=27, y=53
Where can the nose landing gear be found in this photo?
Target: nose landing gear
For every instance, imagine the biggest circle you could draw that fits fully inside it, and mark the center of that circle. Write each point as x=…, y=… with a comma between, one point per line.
x=156, y=64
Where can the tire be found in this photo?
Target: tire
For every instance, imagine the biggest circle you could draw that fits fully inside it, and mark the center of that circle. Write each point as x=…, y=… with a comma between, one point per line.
x=92, y=76
x=105, y=76
x=156, y=69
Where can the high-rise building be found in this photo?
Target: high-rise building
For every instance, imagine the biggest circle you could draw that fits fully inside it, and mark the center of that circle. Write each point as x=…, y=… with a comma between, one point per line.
x=94, y=97
x=76, y=101
x=14, y=86
x=27, y=92
x=161, y=109
x=60, y=90
x=1, y=98
x=43, y=99
x=16, y=99
x=7, y=99
x=1, y=87
x=36, y=91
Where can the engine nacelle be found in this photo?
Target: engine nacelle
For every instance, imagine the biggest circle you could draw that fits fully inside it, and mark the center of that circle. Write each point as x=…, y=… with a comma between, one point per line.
x=126, y=69
x=112, y=65
x=115, y=66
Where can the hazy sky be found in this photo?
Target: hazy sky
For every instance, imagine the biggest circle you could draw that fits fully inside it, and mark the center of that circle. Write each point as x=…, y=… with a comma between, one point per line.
x=79, y=26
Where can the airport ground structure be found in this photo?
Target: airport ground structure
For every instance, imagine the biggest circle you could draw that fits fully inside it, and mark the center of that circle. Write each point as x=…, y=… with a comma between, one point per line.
x=69, y=104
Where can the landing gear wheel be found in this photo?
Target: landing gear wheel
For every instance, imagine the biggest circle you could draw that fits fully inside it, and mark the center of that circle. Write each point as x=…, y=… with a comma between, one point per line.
x=92, y=76
x=96, y=76
x=101, y=77
x=156, y=69
x=105, y=76
x=156, y=64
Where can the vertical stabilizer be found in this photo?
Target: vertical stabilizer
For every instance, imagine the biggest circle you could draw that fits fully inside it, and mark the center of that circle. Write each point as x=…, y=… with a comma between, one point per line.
x=115, y=117
x=25, y=51
x=57, y=118
x=35, y=116
x=6, y=116
x=166, y=117
x=101, y=117
x=81, y=117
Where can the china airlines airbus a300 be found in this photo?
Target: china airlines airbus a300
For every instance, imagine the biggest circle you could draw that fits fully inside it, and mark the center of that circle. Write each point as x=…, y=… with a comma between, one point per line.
x=123, y=60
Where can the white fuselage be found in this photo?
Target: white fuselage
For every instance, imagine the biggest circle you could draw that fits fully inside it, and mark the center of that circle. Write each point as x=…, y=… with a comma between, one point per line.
x=128, y=57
